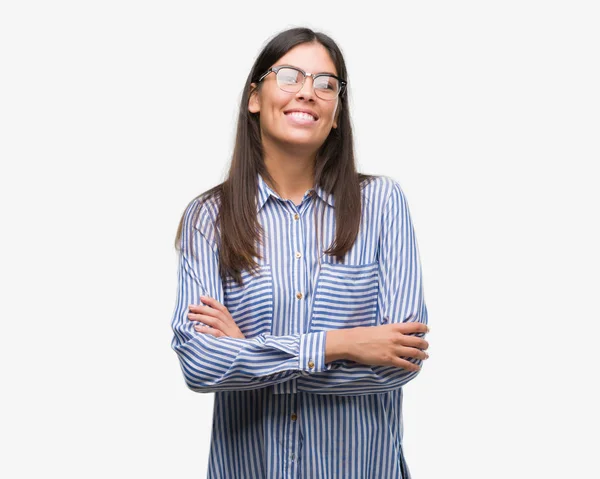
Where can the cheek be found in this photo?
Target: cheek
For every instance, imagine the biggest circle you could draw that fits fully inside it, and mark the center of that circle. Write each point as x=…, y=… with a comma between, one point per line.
x=278, y=100
x=329, y=115
x=274, y=107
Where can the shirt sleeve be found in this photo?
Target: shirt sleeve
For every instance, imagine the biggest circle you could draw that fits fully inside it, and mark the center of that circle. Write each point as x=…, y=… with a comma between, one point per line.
x=400, y=300
x=212, y=364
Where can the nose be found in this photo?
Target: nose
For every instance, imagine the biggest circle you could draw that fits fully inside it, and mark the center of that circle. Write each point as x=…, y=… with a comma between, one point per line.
x=307, y=91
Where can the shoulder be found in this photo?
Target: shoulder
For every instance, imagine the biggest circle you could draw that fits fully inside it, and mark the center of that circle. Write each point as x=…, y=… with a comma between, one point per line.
x=201, y=214
x=381, y=191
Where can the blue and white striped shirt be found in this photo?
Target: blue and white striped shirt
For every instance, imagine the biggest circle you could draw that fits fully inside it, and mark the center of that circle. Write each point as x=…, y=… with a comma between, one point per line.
x=279, y=410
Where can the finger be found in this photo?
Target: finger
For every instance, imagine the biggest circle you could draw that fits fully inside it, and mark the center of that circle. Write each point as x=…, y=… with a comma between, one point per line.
x=221, y=315
x=412, y=353
x=201, y=309
x=208, y=330
x=411, y=327
x=404, y=364
x=213, y=303
x=412, y=341
x=204, y=318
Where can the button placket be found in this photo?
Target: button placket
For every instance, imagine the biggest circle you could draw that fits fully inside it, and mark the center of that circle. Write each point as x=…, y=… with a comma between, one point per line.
x=294, y=431
x=299, y=269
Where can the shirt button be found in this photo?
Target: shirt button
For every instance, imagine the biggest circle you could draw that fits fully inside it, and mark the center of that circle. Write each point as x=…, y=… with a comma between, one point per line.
x=293, y=457
x=294, y=417
x=296, y=216
x=298, y=254
x=299, y=295
x=311, y=364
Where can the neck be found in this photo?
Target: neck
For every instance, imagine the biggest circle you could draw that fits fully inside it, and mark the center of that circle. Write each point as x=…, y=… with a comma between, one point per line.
x=292, y=172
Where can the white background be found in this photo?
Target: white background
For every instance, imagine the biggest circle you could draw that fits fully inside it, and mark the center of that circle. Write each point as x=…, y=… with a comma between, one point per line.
x=115, y=114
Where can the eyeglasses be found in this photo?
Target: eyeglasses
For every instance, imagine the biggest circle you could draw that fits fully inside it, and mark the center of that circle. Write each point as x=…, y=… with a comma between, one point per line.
x=291, y=79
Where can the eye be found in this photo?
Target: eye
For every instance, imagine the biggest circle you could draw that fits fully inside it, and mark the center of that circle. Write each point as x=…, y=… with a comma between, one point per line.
x=288, y=76
x=326, y=83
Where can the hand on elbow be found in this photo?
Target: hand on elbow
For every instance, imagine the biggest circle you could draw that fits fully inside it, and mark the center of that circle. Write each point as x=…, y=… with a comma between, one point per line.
x=388, y=345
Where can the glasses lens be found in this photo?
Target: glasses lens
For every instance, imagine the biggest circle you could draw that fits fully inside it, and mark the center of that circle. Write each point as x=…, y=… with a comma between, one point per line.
x=289, y=80
x=326, y=87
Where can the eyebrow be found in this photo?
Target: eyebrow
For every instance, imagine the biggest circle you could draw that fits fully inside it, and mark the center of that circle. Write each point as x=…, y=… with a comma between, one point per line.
x=316, y=73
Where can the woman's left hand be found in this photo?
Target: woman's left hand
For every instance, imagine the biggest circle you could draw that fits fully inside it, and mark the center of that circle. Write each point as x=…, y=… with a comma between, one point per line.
x=220, y=323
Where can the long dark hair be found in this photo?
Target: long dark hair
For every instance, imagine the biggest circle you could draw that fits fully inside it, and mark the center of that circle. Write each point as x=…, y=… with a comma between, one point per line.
x=335, y=169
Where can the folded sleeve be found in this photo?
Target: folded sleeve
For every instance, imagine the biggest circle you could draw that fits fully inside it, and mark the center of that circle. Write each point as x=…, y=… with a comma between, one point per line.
x=400, y=300
x=212, y=364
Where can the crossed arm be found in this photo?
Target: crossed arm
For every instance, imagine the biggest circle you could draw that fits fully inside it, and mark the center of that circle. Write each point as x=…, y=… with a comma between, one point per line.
x=214, y=359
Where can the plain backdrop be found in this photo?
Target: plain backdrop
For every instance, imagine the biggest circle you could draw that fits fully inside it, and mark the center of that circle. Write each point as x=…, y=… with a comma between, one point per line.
x=115, y=114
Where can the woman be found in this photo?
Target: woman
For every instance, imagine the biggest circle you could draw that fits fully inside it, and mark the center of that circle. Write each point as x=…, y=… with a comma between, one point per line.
x=300, y=301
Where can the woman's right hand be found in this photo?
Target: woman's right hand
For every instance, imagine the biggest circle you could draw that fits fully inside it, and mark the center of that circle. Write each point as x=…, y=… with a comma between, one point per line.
x=384, y=345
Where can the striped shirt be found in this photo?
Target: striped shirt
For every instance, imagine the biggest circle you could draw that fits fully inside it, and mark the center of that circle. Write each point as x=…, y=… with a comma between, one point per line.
x=279, y=410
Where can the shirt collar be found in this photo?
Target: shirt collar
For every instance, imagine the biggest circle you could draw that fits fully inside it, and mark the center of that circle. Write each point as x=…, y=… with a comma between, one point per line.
x=264, y=191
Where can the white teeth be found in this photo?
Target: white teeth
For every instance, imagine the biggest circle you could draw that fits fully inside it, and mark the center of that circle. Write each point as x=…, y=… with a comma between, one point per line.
x=299, y=114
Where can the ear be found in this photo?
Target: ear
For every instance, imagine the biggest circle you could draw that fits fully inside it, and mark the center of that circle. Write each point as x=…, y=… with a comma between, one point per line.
x=253, y=101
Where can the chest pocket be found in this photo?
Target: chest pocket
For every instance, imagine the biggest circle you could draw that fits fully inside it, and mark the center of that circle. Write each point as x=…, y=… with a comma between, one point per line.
x=251, y=305
x=345, y=296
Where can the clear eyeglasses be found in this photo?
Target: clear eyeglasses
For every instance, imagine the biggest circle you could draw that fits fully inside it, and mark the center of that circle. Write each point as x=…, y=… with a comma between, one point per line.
x=291, y=79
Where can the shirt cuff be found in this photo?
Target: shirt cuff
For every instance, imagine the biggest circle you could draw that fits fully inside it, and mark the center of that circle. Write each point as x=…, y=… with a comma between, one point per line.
x=312, y=353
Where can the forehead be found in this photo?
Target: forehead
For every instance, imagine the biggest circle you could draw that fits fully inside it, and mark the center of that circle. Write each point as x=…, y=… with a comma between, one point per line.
x=311, y=57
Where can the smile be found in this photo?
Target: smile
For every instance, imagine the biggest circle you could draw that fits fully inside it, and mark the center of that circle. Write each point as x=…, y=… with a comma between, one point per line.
x=299, y=114
x=300, y=118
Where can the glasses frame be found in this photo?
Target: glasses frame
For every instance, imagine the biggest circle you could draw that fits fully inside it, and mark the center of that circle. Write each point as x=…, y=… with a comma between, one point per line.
x=314, y=76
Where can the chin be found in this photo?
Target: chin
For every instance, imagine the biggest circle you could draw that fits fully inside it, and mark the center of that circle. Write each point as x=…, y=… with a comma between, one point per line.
x=301, y=137
x=299, y=141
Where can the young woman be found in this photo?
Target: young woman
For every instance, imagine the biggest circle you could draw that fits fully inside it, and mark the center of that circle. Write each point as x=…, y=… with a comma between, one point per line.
x=300, y=303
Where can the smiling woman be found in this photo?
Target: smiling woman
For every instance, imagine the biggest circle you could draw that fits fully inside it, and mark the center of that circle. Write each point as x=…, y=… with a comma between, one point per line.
x=300, y=301
x=319, y=117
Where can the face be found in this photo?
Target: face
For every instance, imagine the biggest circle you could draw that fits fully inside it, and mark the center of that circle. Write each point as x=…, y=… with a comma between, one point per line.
x=277, y=122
